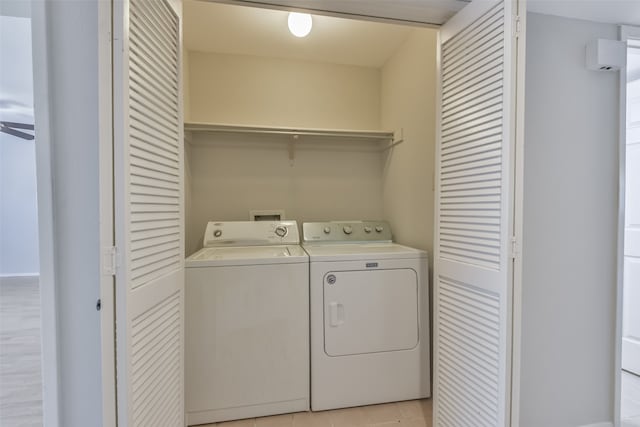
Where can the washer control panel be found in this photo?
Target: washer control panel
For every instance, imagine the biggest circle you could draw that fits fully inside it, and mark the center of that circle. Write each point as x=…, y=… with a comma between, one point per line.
x=251, y=233
x=346, y=231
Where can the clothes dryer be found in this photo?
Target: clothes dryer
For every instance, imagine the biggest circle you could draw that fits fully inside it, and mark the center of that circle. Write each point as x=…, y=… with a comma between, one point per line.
x=247, y=323
x=369, y=302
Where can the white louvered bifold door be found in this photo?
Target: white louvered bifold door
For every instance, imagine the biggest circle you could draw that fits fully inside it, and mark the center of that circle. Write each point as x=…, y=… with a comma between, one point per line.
x=148, y=154
x=474, y=217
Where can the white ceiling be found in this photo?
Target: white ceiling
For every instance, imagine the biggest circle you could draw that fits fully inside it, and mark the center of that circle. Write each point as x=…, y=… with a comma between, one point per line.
x=606, y=11
x=223, y=28
x=432, y=12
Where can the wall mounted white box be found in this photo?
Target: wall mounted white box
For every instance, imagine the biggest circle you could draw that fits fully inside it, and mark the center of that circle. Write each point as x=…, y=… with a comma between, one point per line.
x=266, y=215
x=606, y=55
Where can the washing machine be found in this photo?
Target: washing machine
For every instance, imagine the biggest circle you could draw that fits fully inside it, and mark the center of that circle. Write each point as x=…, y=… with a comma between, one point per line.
x=247, y=323
x=369, y=312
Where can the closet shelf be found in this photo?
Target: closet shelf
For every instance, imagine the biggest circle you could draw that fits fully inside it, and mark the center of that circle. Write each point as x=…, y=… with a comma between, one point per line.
x=384, y=140
x=364, y=135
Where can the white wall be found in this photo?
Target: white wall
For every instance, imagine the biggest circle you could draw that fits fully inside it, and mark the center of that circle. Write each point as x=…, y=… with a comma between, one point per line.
x=18, y=207
x=408, y=101
x=186, y=94
x=73, y=79
x=18, y=196
x=329, y=180
x=570, y=215
x=631, y=287
x=239, y=89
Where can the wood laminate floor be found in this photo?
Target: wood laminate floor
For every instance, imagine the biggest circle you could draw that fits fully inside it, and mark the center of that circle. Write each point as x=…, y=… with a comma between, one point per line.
x=20, y=353
x=630, y=405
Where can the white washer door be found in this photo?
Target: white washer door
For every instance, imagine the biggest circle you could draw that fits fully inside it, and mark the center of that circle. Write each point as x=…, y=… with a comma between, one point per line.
x=370, y=311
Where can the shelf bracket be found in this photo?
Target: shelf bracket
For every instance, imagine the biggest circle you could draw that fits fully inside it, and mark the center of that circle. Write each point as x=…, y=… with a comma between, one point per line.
x=398, y=138
x=292, y=147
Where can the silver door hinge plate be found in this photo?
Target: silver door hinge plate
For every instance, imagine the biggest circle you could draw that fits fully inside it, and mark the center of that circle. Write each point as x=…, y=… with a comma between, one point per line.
x=109, y=261
x=514, y=248
x=517, y=26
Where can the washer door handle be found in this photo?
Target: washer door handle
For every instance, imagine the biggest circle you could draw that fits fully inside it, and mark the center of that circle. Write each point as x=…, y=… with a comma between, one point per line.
x=336, y=314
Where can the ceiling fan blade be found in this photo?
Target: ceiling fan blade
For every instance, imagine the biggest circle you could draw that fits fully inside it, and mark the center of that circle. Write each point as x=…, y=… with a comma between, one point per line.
x=17, y=125
x=17, y=133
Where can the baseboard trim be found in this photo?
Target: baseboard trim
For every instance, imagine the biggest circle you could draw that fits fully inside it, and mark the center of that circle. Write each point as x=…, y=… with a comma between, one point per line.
x=30, y=279
x=604, y=424
x=9, y=276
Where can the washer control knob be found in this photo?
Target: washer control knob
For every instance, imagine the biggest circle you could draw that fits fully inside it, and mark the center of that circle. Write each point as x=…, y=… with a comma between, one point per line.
x=347, y=229
x=217, y=233
x=367, y=229
x=327, y=230
x=379, y=228
x=281, y=231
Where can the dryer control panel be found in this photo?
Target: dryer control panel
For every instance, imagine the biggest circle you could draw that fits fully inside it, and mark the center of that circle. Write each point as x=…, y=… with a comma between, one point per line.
x=346, y=231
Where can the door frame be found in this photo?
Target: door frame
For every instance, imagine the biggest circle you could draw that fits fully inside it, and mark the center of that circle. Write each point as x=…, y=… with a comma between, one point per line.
x=51, y=393
x=45, y=200
x=626, y=32
x=518, y=214
x=108, y=259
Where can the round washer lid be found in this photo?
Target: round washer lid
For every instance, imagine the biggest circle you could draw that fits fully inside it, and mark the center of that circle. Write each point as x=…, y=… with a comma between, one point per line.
x=247, y=255
x=361, y=251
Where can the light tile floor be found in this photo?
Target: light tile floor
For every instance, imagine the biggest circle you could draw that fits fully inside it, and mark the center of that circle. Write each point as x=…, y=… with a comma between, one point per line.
x=413, y=413
x=630, y=405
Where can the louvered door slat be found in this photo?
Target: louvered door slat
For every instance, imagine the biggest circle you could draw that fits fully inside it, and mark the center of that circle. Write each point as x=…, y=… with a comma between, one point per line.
x=471, y=144
x=482, y=368
x=154, y=139
x=464, y=393
x=144, y=113
x=158, y=39
x=471, y=177
x=153, y=100
x=464, y=73
x=484, y=92
x=150, y=374
x=144, y=167
x=474, y=199
x=162, y=15
x=472, y=103
x=471, y=109
x=149, y=61
x=144, y=176
x=470, y=115
x=143, y=153
x=483, y=39
x=473, y=319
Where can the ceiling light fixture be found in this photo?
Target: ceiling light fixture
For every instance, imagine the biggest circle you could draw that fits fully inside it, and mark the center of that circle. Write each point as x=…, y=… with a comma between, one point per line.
x=300, y=24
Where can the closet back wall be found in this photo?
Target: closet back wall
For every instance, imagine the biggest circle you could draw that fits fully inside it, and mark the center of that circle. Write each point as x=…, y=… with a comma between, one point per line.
x=229, y=175
x=252, y=90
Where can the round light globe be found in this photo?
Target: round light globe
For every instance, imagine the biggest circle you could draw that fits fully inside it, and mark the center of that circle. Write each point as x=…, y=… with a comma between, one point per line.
x=300, y=24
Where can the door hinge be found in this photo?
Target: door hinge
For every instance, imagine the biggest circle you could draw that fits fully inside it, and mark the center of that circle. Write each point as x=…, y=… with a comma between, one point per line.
x=517, y=26
x=513, y=253
x=109, y=261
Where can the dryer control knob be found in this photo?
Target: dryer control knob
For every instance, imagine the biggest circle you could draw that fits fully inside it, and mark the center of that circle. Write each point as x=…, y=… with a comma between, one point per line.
x=281, y=231
x=347, y=229
x=327, y=230
x=217, y=233
x=367, y=229
x=379, y=228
